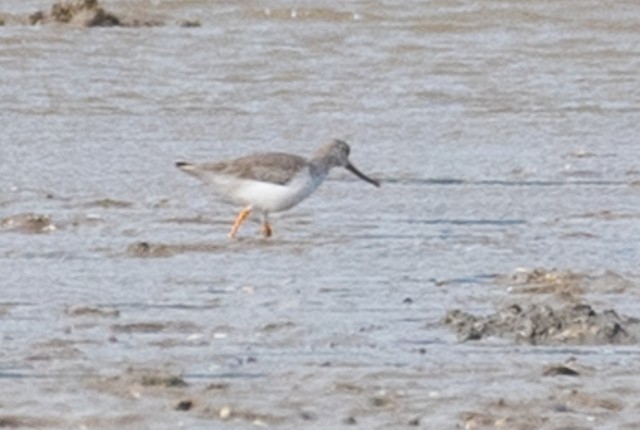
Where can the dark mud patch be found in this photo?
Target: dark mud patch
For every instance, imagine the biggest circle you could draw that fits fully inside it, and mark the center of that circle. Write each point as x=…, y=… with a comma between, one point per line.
x=92, y=311
x=570, y=367
x=189, y=341
x=149, y=250
x=143, y=327
x=155, y=327
x=560, y=370
x=608, y=215
x=27, y=223
x=191, y=23
x=183, y=405
x=21, y=422
x=539, y=324
x=197, y=220
x=160, y=250
x=277, y=326
x=162, y=380
x=108, y=203
x=55, y=349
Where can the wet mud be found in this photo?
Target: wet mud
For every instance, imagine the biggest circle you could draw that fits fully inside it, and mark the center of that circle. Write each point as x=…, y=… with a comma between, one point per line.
x=541, y=324
x=558, y=315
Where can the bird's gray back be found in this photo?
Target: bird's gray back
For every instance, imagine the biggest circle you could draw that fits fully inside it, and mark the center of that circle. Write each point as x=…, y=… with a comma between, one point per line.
x=274, y=167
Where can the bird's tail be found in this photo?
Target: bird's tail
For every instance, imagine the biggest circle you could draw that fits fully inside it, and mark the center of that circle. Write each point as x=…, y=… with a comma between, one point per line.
x=188, y=168
x=183, y=165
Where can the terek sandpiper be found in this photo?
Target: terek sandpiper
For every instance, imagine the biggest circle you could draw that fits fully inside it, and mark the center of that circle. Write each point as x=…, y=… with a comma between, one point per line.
x=272, y=182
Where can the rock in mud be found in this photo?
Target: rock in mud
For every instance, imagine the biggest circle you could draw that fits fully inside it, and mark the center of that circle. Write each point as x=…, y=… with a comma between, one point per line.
x=190, y=24
x=540, y=324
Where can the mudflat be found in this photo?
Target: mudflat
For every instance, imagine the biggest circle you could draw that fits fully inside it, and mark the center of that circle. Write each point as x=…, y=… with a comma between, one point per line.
x=491, y=282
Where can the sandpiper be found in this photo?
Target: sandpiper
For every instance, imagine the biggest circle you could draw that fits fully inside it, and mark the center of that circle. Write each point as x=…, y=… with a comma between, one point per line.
x=272, y=182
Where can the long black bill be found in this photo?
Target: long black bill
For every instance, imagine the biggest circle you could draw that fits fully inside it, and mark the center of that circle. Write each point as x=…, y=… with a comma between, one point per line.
x=350, y=167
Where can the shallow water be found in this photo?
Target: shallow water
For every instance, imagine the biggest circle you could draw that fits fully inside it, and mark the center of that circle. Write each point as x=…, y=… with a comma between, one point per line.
x=505, y=135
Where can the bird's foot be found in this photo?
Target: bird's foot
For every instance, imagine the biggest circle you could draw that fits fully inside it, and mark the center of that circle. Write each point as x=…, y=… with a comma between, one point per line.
x=242, y=216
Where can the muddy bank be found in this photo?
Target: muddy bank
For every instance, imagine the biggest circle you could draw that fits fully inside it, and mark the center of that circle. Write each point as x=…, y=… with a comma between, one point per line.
x=541, y=324
x=87, y=13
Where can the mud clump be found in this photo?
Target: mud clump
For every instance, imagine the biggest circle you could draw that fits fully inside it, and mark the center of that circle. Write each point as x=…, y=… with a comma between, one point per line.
x=190, y=23
x=162, y=380
x=27, y=223
x=141, y=327
x=108, y=203
x=539, y=324
x=86, y=13
x=82, y=311
x=560, y=370
x=184, y=405
x=561, y=283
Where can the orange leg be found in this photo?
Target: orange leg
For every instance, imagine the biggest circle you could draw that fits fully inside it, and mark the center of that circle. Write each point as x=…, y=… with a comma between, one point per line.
x=242, y=216
x=266, y=229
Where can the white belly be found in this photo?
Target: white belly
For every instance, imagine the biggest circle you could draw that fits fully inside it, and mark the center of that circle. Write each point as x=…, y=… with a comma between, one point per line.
x=269, y=197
